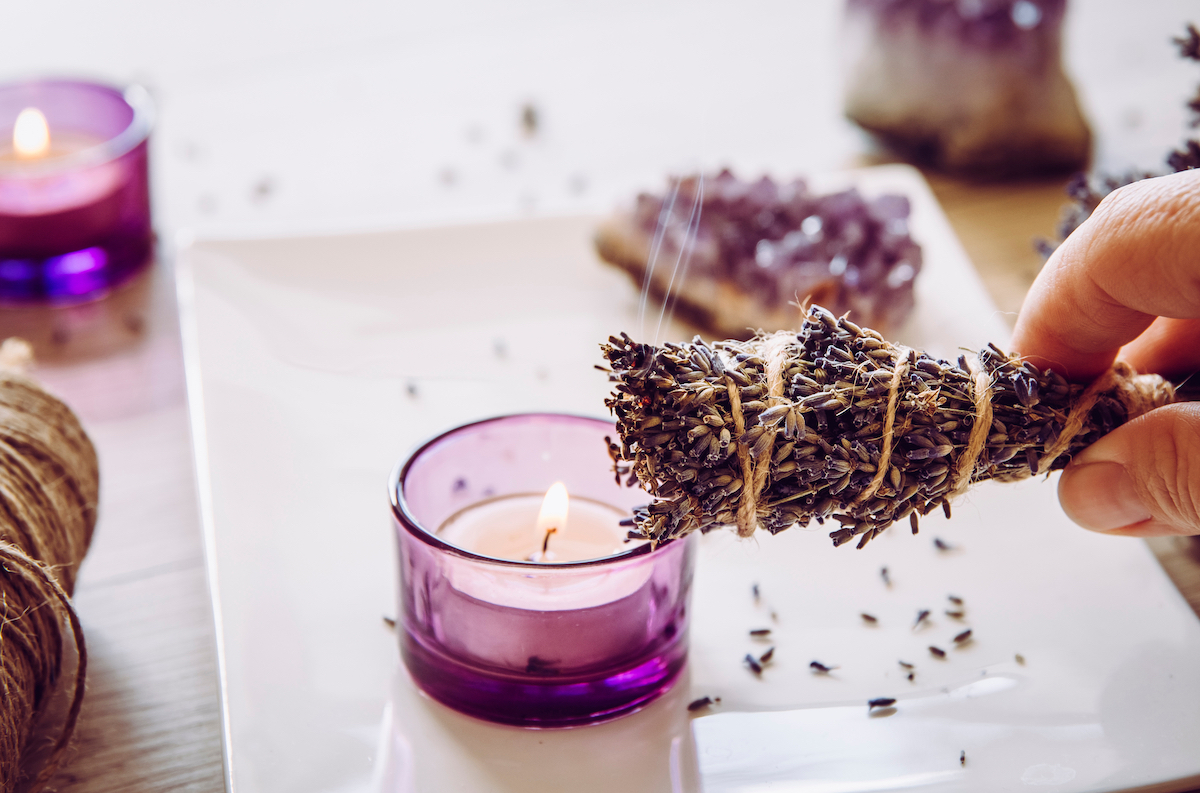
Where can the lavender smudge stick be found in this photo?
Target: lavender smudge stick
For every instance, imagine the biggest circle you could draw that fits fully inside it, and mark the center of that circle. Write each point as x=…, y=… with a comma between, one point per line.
x=836, y=422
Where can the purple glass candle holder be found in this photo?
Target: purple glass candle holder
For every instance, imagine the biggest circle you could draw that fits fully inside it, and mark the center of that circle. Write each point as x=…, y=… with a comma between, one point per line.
x=74, y=219
x=536, y=644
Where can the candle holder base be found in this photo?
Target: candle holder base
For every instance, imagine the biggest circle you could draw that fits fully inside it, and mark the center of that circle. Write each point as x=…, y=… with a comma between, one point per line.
x=75, y=276
x=548, y=700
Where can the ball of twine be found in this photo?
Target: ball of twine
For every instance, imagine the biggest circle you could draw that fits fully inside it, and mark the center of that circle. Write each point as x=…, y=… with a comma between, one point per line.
x=49, y=483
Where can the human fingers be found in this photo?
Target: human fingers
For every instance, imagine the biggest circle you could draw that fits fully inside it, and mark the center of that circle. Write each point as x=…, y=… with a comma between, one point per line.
x=1136, y=258
x=1170, y=347
x=1142, y=479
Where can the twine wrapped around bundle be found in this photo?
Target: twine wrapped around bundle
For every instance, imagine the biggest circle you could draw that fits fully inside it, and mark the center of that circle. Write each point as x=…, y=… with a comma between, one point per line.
x=49, y=484
x=836, y=422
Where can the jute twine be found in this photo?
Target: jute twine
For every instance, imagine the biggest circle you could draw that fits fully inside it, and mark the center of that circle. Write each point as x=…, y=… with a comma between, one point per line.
x=1139, y=393
x=49, y=483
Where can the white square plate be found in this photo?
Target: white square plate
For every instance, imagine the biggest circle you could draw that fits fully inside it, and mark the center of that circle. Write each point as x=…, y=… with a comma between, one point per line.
x=315, y=364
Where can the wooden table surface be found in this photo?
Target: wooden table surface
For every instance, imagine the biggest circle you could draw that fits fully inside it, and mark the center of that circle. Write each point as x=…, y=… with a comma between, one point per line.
x=151, y=720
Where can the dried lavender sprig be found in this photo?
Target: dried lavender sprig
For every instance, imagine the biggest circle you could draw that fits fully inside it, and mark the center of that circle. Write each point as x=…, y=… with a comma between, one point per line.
x=815, y=449
x=1086, y=192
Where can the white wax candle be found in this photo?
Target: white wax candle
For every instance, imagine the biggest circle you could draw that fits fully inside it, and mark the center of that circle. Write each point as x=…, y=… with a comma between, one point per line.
x=507, y=528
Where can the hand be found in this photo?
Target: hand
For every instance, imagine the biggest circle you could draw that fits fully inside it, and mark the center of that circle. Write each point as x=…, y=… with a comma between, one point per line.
x=1127, y=283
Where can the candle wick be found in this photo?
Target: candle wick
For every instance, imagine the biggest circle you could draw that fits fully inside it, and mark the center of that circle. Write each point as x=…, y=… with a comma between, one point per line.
x=546, y=541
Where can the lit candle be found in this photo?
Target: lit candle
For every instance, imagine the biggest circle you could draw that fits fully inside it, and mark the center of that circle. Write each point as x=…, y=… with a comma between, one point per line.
x=31, y=134
x=74, y=189
x=528, y=608
x=532, y=528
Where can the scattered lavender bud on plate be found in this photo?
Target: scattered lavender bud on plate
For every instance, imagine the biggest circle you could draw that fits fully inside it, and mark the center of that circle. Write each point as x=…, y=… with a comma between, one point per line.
x=753, y=664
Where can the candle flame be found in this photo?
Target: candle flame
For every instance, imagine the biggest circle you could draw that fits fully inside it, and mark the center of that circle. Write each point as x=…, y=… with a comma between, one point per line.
x=31, y=134
x=554, y=509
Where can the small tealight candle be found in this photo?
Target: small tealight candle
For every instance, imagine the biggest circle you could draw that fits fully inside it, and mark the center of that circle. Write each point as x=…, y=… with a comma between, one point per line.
x=74, y=189
x=528, y=606
x=533, y=528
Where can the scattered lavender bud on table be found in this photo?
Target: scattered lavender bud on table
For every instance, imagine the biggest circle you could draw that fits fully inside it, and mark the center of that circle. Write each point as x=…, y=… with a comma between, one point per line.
x=963, y=637
x=955, y=599
x=937, y=652
x=887, y=579
x=760, y=633
x=869, y=619
x=906, y=664
x=922, y=615
x=1020, y=659
x=941, y=544
x=766, y=657
x=880, y=702
x=821, y=668
x=962, y=757
x=698, y=704
x=753, y=663
x=956, y=615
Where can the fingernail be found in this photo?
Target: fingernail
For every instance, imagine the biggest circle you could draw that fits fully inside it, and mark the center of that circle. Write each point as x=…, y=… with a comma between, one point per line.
x=1101, y=496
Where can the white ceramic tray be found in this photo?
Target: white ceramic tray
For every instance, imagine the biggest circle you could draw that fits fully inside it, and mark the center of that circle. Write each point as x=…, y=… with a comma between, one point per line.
x=315, y=364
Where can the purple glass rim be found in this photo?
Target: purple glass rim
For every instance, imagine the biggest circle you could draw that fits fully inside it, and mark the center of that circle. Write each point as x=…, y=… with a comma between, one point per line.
x=141, y=122
x=413, y=526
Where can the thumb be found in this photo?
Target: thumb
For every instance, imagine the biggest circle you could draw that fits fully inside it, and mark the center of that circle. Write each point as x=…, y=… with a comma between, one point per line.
x=1142, y=479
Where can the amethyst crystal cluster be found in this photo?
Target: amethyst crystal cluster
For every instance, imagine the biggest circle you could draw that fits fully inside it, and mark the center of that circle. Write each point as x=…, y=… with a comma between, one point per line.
x=968, y=85
x=757, y=249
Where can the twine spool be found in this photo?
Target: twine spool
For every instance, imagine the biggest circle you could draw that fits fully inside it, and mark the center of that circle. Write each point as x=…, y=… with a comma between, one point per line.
x=49, y=483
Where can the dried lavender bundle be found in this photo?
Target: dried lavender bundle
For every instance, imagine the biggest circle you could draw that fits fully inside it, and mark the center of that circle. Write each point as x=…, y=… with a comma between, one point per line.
x=836, y=422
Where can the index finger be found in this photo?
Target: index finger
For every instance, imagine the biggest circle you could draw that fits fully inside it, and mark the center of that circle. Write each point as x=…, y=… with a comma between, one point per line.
x=1136, y=258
